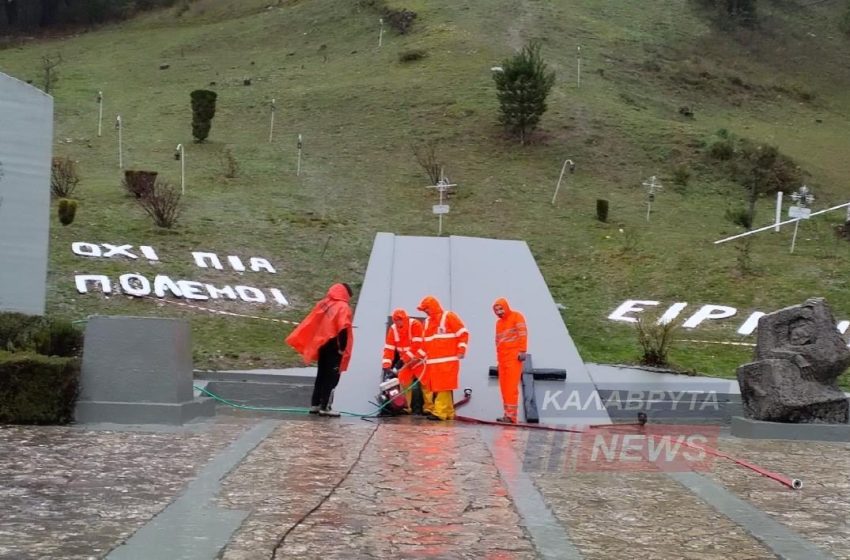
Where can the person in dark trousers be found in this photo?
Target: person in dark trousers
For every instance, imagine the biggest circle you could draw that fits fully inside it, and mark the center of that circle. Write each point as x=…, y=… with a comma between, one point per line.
x=326, y=336
x=327, y=376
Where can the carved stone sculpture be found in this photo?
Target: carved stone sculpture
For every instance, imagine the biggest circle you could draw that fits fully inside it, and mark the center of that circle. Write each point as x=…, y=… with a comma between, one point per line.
x=799, y=356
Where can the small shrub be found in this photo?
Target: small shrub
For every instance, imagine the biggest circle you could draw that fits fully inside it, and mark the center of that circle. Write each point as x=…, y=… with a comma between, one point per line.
x=681, y=175
x=722, y=150
x=229, y=163
x=203, y=111
x=630, y=239
x=744, y=258
x=411, y=55
x=48, y=67
x=428, y=159
x=602, y=210
x=37, y=389
x=63, y=177
x=655, y=341
x=740, y=217
x=162, y=204
x=765, y=170
x=400, y=20
x=139, y=183
x=67, y=211
x=182, y=7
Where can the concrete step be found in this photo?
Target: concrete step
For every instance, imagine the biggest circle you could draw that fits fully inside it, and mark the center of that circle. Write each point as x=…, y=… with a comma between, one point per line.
x=267, y=389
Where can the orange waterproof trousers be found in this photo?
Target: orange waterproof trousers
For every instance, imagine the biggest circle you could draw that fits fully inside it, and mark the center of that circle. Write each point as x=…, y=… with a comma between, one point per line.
x=510, y=374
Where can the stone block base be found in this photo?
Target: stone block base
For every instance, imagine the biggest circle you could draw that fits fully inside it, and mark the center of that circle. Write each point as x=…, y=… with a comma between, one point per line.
x=143, y=413
x=759, y=429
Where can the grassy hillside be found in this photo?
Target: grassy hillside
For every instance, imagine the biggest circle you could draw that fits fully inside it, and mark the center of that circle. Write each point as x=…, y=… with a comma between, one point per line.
x=359, y=108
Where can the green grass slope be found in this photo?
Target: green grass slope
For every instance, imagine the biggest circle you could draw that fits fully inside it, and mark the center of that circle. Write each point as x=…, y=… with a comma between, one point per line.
x=359, y=109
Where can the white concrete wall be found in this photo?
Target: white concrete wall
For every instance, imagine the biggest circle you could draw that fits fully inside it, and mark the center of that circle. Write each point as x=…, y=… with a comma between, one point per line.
x=26, y=147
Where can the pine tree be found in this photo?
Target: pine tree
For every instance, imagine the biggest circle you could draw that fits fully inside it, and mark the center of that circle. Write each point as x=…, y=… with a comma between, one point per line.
x=523, y=85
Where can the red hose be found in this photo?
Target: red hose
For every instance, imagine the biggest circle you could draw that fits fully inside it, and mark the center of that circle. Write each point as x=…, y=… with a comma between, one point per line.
x=516, y=425
x=793, y=483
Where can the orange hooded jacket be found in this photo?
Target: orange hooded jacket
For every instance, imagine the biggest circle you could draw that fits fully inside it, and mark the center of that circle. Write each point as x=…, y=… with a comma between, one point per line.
x=407, y=341
x=445, y=339
x=327, y=319
x=511, y=333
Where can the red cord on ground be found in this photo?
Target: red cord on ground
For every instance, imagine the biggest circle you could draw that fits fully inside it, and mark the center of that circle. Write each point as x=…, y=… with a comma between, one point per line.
x=793, y=483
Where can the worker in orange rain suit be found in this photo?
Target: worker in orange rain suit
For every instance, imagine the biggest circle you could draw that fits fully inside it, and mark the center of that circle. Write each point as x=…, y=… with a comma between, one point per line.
x=326, y=335
x=405, y=338
x=445, y=344
x=511, y=348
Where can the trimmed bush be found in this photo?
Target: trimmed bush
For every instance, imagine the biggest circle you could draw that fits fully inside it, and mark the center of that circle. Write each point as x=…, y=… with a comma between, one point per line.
x=203, y=111
x=30, y=333
x=38, y=389
x=67, y=211
x=602, y=210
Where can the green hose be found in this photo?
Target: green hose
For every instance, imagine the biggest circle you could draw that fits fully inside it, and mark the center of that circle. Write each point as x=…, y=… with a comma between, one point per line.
x=296, y=410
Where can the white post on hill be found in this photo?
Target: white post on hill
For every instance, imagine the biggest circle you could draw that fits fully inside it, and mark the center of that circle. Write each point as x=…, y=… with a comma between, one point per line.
x=442, y=186
x=119, y=126
x=778, y=209
x=271, y=123
x=803, y=197
x=652, y=184
x=300, y=144
x=381, y=33
x=563, y=168
x=99, y=112
x=180, y=155
x=578, y=63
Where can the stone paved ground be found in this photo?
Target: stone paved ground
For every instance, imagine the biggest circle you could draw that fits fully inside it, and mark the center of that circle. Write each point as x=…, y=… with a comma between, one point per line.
x=72, y=493
x=820, y=512
x=419, y=490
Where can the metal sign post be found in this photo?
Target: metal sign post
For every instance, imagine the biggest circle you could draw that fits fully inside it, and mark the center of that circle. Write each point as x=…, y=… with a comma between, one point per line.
x=563, y=168
x=99, y=112
x=271, y=123
x=298, y=172
x=120, y=127
x=652, y=184
x=180, y=154
x=803, y=197
x=442, y=186
x=578, y=62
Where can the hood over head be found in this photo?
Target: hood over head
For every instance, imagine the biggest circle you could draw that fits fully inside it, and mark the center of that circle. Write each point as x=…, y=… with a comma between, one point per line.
x=431, y=306
x=400, y=313
x=504, y=303
x=339, y=292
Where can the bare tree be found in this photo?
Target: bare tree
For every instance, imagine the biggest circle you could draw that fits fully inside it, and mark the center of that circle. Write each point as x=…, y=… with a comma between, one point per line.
x=428, y=160
x=63, y=177
x=162, y=204
x=48, y=66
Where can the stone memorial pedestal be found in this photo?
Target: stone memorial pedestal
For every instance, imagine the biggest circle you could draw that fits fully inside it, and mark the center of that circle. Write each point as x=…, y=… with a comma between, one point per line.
x=138, y=370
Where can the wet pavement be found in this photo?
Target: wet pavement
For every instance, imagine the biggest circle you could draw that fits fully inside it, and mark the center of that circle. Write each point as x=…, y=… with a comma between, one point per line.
x=404, y=488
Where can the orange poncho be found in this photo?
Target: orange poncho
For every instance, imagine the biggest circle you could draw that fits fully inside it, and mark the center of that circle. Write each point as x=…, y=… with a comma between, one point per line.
x=327, y=319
